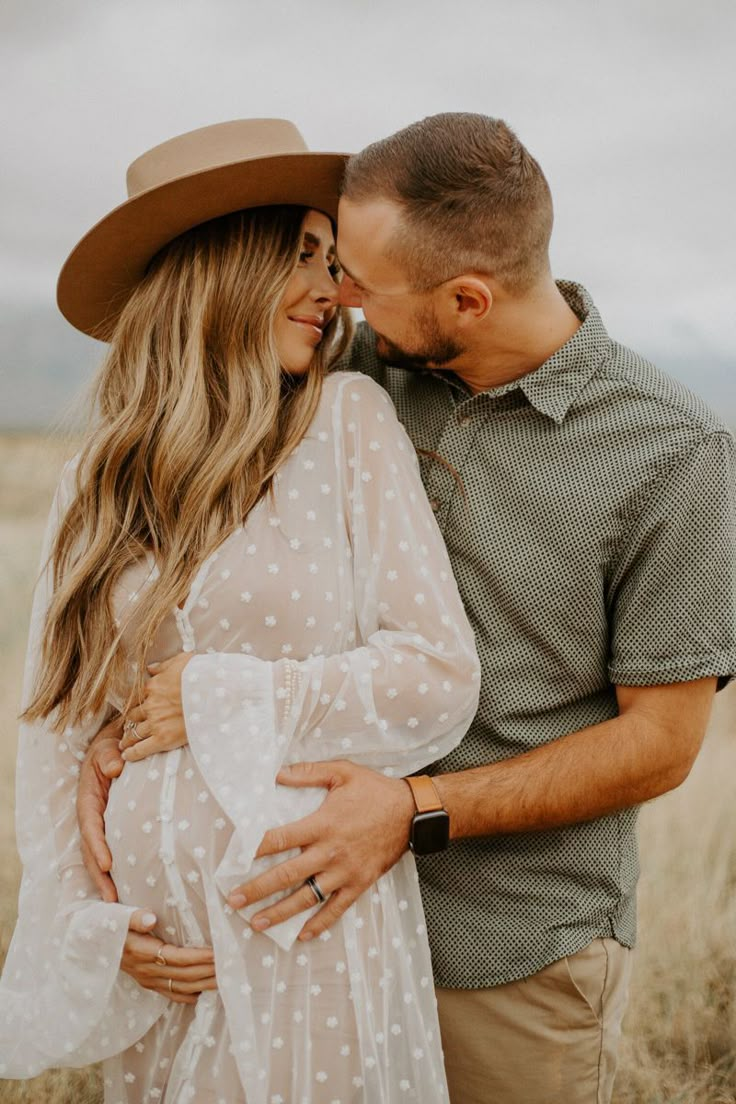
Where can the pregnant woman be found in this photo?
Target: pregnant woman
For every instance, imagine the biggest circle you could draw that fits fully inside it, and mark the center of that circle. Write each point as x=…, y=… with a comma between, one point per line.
x=235, y=504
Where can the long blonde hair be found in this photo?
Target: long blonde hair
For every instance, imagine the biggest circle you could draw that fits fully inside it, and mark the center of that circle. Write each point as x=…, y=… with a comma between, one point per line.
x=193, y=418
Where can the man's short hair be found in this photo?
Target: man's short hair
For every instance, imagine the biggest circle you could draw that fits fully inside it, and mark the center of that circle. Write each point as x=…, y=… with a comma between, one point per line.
x=472, y=199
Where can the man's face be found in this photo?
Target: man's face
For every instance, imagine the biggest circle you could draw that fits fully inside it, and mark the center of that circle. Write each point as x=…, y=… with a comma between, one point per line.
x=408, y=330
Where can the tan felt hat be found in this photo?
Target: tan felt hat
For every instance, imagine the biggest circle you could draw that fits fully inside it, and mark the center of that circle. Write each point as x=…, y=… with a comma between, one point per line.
x=181, y=183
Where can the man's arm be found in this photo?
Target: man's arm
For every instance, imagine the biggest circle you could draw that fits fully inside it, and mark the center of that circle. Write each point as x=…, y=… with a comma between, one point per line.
x=101, y=764
x=362, y=828
x=645, y=751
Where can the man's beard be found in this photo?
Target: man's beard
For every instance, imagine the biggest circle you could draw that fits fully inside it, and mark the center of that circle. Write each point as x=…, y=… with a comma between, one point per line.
x=436, y=350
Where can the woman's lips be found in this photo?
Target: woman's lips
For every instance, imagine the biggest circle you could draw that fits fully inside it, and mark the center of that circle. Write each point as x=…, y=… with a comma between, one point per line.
x=311, y=325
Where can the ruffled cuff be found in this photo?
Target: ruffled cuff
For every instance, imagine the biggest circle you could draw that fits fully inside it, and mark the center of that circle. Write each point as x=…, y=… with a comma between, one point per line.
x=230, y=717
x=104, y=1011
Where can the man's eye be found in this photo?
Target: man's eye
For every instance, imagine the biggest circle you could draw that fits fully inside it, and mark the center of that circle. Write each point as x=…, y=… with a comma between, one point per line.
x=305, y=256
x=335, y=271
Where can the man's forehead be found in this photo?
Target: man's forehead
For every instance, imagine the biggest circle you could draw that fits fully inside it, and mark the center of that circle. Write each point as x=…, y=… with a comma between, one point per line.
x=364, y=231
x=376, y=218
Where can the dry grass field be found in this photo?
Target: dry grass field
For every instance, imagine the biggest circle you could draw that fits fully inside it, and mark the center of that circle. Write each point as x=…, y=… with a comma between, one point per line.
x=680, y=1032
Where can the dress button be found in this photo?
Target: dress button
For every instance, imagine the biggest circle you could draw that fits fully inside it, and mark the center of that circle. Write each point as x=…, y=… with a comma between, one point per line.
x=434, y=504
x=463, y=419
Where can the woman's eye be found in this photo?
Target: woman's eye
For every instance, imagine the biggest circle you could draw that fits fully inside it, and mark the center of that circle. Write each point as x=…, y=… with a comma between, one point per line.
x=335, y=271
x=305, y=256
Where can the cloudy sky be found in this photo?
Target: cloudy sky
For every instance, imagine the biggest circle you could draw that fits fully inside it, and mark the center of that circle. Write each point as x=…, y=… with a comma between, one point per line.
x=629, y=106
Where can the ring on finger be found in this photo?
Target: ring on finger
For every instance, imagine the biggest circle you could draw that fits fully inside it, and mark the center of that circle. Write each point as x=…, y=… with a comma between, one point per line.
x=315, y=888
x=133, y=730
x=171, y=985
x=159, y=959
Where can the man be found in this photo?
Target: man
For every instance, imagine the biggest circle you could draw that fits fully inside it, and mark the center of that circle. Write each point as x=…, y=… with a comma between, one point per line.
x=588, y=507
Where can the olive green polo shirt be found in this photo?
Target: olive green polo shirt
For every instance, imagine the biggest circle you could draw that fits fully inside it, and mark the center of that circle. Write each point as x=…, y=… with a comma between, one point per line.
x=595, y=545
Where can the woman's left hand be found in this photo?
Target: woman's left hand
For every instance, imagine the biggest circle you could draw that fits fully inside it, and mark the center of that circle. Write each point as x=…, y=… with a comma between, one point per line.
x=159, y=720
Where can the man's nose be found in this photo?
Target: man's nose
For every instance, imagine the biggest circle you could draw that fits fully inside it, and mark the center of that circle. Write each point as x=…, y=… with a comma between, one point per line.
x=349, y=294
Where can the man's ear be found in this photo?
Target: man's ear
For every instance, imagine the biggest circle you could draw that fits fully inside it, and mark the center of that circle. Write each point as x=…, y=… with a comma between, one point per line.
x=469, y=298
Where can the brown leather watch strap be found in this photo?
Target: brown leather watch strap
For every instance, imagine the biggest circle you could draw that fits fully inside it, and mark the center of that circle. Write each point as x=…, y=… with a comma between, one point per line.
x=424, y=792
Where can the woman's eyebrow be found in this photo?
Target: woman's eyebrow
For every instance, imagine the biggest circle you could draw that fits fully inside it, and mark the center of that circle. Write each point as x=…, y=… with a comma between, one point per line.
x=315, y=242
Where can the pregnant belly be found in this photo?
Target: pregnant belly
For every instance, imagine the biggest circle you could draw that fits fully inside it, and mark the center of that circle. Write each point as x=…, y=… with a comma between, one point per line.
x=167, y=835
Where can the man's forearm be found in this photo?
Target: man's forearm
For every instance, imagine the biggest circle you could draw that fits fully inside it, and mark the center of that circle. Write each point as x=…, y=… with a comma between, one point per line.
x=101, y=764
x=622, y=762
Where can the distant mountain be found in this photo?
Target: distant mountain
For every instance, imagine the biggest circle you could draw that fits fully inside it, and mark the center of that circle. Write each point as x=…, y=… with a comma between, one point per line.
x=45, y=366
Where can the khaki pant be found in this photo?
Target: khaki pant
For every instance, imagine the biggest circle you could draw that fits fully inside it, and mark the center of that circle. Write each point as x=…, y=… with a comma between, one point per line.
x=548, y=1039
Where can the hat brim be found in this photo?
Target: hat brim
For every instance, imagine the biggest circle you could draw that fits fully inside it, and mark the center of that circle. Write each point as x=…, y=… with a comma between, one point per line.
x=111, y=259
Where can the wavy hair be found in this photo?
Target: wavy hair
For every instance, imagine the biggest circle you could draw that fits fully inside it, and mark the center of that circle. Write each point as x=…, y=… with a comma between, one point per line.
x=194, y=416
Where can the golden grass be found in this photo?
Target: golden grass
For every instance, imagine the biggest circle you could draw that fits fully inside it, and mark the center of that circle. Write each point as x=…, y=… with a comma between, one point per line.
x=679, y=1042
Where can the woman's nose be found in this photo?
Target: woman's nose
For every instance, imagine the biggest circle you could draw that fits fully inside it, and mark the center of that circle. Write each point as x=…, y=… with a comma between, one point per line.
x=349, y=293
x=326, y=290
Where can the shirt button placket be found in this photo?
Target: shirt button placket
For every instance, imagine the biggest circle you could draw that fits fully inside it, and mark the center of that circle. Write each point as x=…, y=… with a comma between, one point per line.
x=453, y=447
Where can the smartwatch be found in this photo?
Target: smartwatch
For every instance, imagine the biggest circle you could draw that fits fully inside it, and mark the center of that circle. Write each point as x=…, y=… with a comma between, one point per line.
x=430, y=828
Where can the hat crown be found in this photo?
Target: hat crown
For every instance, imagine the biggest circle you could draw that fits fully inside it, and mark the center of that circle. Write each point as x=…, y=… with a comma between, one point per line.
x=180, y=184
x=212, y=146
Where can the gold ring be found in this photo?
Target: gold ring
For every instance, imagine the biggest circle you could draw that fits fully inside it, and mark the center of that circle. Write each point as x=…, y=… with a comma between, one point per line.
x=160, y=956
x=171, y=985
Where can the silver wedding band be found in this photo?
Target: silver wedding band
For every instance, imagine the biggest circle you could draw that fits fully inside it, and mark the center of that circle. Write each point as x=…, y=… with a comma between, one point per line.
x=132, y=728
x=314, y=886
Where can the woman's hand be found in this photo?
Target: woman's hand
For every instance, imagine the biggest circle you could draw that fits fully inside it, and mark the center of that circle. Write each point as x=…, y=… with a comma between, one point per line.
x=179, y=973
x=157, y=724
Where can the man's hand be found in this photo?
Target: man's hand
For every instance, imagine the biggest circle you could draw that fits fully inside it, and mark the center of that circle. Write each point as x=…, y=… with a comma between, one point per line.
x=153, y=963
x=159, y=719
x=101, y=764
x=357, y=834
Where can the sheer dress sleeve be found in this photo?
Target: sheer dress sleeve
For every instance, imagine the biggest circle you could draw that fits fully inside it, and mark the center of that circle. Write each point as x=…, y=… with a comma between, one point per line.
x=63, y=1001
x=402, y=698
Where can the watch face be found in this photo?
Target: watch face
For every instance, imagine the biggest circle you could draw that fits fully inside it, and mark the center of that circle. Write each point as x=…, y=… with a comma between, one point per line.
x=430, y=832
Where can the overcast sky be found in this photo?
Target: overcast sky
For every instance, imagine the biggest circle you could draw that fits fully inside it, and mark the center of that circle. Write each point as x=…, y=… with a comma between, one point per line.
x=628, y=105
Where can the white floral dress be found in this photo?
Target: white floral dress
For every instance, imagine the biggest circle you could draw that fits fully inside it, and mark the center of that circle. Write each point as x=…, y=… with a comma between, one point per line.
x=328, y=626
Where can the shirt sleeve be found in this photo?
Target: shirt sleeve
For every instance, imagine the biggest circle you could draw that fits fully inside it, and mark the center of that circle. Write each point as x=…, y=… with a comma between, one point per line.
x=399, y=701
x=673, y=614
x=64, y=1001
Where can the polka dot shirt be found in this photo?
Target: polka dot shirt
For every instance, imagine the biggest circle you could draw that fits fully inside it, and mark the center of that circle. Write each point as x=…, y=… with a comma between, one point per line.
x=594, y=545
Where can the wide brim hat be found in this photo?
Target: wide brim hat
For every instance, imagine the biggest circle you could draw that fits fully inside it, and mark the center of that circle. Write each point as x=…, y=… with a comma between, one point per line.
x=179, y=184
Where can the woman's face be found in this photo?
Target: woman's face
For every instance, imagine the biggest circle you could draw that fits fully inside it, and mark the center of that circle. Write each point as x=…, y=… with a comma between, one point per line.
x=310, y=299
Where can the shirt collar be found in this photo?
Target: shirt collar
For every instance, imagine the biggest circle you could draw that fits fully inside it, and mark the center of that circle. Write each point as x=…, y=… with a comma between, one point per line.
x=553, y=387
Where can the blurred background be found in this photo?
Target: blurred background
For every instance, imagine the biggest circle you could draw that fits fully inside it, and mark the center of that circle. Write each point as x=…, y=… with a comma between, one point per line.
x=629, y=107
